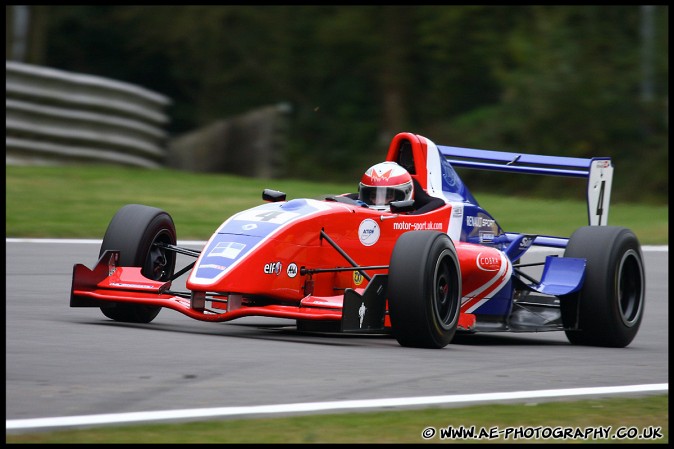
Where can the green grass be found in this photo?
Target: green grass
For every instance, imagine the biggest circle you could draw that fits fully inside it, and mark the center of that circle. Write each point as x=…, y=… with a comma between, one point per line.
x=641, y=414
x=79, y=201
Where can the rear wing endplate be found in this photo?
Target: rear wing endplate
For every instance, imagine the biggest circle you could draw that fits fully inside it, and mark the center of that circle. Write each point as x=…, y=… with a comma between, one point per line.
x=597, y=170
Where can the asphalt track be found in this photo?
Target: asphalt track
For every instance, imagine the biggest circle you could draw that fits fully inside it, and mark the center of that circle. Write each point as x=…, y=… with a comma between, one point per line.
x=73, y=367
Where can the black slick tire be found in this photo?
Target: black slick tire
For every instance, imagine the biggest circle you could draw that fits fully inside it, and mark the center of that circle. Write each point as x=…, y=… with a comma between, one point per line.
x=608, y=309
x=424, y=289
x=133, y=231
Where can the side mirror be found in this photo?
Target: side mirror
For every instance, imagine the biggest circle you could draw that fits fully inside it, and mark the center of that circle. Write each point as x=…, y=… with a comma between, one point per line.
x=273, y=195
x=402, y=206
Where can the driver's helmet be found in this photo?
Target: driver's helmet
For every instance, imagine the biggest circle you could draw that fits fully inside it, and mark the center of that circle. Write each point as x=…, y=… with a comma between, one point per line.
x=383, y=183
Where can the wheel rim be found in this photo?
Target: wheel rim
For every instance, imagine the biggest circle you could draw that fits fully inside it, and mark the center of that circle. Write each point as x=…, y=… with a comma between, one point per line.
x=445, y=301
x=630, y=288
x=159, y=262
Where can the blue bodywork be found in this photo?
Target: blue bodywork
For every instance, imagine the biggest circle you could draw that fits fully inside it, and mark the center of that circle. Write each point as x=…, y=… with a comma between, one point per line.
x=561, y=276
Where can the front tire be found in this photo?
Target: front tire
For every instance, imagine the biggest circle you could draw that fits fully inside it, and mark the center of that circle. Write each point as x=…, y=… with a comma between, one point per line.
x=424, y=289
x=133, y=231
x=608, y=309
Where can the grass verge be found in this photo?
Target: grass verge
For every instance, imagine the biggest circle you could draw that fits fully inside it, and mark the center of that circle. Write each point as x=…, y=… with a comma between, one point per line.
x=79, y=201
x=613, y=420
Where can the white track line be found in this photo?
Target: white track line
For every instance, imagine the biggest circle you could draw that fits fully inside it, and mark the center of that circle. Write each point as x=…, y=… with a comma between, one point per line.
x=119, y=418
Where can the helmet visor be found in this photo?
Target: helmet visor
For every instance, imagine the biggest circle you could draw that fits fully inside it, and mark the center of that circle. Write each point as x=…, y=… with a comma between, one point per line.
x=381, y=196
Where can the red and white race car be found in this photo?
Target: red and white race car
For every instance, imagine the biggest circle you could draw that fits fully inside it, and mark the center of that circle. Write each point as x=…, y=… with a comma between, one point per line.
x=336, y=265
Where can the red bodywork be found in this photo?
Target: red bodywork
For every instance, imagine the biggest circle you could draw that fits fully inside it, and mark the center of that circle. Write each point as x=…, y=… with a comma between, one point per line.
x=267, y=261
x=262, y=276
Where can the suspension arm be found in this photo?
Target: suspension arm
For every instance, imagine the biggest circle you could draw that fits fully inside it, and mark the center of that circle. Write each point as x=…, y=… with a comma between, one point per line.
x=343, y=253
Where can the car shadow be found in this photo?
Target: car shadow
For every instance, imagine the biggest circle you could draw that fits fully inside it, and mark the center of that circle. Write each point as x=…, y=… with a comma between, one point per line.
x=271, y=332
x=289, y=333
x=506, y=339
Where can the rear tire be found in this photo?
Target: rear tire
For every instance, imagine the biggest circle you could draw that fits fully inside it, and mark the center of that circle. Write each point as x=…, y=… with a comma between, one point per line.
x=424, y=289
x=133, y=231
x=608, y=309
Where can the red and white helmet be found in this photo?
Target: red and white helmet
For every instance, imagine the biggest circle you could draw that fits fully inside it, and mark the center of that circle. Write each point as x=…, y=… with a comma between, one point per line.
x=383, y=183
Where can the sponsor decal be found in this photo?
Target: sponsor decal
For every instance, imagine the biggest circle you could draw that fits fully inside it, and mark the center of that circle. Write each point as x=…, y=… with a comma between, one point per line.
x=368, y=232
x=457, y=211
x=249, y=226
x=486, y=237
x=475, y=299
x=292, y=271
x=478, y=221
x=488, y=263
x=273, y=268
x=406, y=226
x=122, y=284
x=357, y=278
x=361, y=314
x=230, y=250
x=526, y=242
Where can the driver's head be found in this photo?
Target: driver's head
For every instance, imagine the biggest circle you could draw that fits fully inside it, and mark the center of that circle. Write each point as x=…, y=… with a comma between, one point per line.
x=383, y=183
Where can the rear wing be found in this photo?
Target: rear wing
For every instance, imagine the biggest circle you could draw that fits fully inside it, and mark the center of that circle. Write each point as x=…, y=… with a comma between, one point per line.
x=597, y=170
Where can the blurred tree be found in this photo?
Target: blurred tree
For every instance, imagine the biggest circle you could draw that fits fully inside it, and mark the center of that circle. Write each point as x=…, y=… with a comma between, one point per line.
x=570, y=86
x=551, y=79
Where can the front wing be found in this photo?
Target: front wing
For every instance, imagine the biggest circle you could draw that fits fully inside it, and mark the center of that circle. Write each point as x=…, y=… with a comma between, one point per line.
x=358, y=310
x=109, y=283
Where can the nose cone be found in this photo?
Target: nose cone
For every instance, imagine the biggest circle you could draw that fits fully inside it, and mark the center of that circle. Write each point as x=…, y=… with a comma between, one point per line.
x=222, y=253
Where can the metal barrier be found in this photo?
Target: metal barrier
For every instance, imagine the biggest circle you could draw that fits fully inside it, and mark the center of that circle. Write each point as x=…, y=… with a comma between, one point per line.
x=53, y=116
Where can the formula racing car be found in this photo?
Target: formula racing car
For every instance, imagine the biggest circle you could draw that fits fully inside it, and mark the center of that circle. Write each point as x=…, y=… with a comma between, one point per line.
x=335, y=264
